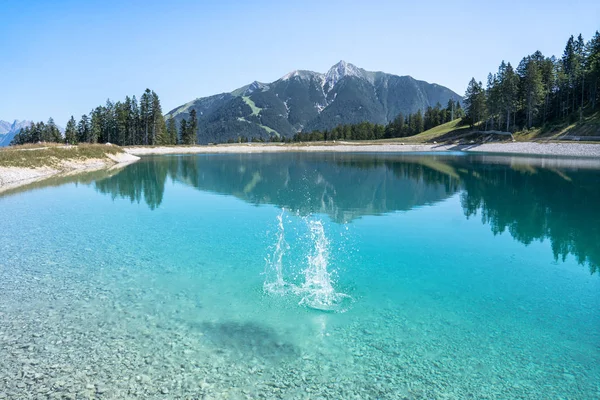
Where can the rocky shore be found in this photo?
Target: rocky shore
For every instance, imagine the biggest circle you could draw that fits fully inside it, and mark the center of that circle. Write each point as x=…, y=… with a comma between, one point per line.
x=527, y=148
x=12, y=177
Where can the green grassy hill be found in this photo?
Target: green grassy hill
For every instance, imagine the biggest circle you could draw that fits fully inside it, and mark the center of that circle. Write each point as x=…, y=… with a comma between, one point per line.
x=457, y=131
x=588, y=128
x=438, y=133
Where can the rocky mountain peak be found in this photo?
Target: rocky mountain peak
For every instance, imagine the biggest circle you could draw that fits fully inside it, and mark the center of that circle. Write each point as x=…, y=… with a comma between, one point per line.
x=341, y=70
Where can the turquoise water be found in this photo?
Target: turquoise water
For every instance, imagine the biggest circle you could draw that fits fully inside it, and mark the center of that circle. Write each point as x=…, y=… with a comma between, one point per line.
x=318, y=276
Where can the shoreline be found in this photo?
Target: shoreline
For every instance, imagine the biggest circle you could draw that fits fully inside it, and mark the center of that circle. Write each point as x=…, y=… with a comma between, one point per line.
x=582, y=150
x=14, y=177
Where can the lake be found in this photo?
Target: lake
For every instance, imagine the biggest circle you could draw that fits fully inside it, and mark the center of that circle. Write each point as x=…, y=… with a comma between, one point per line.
x=308, y=276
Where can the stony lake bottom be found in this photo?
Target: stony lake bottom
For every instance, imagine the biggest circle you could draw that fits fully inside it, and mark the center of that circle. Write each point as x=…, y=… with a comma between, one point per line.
x=305, y=276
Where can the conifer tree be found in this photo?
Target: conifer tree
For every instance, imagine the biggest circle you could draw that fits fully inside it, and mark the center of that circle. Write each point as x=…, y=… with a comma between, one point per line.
x=136, y=134
x=532, y=87
x=159, y=128
x=71, y=131
x=570, y=68
x=183, y=131
x=172, y=131
x=419, y=123
x=475, y=102
x=109, y=126
x=97, y=124
x=192, y=128
x=593, y=68
x=450, y=110
x=50, y=132
x=83, y=129
x=492, y=101
x=146, y=115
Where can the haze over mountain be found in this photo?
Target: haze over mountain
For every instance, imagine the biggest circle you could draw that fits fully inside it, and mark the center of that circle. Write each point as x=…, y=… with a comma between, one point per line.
x=8, y=130
x=306, y=100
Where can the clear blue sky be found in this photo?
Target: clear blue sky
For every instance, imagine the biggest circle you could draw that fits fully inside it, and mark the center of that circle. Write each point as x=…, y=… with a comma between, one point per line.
x=65, y=57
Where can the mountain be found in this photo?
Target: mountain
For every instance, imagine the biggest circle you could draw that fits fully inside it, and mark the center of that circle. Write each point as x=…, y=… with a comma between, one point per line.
x=9, y=130
x=306, y=100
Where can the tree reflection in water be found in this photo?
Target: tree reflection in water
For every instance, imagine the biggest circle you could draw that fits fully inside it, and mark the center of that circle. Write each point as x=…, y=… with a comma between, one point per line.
x=521, y=196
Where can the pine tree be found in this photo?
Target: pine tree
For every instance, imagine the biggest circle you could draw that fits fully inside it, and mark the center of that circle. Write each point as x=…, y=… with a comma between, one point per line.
x=429, y=117
x=183, y=131
x=83, y=129
x=121, y=119
x=146, y=115
x=36, y=132
x=475, y=102
x=50, y=132
x=508, y=83
x=172, y=131
x=71, y=131
x=97, y=125
x=192, y=128
x=136, y=135
x=396, y=127
x=571, y=68
x=492, y=101
x=450, y=110
x=419, y=123
x=532, y=87
x=580, y=52
x=593, y=68
x=459, y=112
x=24, y=136
x=108, y=128
x=159, y=128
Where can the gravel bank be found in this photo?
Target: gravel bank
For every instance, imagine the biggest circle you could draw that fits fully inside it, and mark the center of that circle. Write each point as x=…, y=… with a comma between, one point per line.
x=12, y=177
x=528, y=148
x=542, y=149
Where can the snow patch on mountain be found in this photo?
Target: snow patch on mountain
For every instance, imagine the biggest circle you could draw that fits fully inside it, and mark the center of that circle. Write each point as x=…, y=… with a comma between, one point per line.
x=341, y=70
x=287, y=108
x=256, y=86
x=302, y=74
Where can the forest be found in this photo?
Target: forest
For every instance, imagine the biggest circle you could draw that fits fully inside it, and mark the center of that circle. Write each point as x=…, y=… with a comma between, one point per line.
x=540, y=91
x=127, y=122
x=401, y=126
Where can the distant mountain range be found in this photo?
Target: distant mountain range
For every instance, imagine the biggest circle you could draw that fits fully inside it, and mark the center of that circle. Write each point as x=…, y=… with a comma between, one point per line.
x=8, y=130
x=306, y=101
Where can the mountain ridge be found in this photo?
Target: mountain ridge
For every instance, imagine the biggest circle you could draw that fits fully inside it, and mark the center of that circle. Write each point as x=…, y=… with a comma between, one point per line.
x=304, y=100
x=8, y=130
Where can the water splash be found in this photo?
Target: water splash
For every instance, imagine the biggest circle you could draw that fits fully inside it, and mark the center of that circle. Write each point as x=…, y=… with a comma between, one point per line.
x=317, y=291
x=274, y=283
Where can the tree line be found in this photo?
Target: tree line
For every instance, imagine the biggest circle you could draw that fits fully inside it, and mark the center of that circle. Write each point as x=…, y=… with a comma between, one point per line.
x=401, y=126
x=539, y=91
x=127, y=122
x=38, y=132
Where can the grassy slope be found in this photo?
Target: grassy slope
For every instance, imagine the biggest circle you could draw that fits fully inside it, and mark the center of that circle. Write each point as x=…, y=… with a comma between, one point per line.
x=429, y=135
x=590, y=126
x=453, y=130
x=255, y=110
x=439, y=131
x=51, y=155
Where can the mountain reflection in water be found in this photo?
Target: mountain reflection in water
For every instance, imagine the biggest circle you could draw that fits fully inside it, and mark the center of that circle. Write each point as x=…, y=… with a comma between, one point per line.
x=532, y=199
